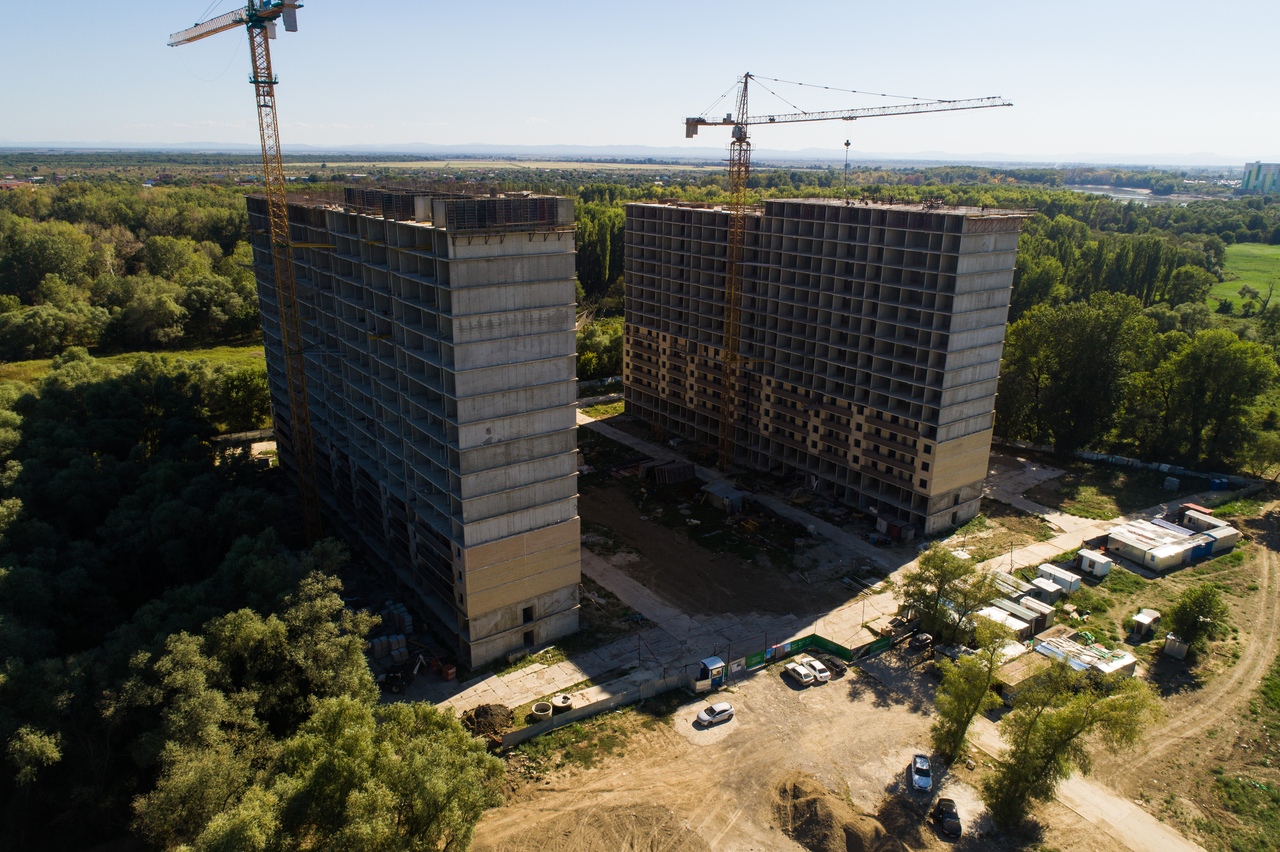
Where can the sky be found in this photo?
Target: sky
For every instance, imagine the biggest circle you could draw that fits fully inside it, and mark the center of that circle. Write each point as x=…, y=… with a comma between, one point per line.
x=1126, y=81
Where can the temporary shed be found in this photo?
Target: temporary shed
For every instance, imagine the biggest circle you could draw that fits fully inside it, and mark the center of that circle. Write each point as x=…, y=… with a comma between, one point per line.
x=1175, y=647
x=1019, y=628
x=1022, y=613
x=1044, y=611
x=724, y=496
x=1068, y=581
x=1146, y=622
x=1095, y=563
x=1046, y=590
x=1009, y=584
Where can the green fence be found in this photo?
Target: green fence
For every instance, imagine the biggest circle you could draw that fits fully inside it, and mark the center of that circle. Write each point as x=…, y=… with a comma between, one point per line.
x=813, y=640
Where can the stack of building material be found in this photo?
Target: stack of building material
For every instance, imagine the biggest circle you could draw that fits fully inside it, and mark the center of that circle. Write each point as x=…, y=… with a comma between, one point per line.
x=398, y=618
x=394, y=646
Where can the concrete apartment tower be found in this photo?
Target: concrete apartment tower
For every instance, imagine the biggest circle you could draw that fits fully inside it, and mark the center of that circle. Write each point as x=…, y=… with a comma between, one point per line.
x=439, y=347
x=871, y=334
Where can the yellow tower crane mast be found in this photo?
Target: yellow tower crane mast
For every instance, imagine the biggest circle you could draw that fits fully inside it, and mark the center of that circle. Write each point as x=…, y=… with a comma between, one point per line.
x=731, y=357
x=259, y=18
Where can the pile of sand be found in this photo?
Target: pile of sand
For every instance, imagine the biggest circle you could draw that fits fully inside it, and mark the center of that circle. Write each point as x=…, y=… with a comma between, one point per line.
x=487, y=720
x=822, y=822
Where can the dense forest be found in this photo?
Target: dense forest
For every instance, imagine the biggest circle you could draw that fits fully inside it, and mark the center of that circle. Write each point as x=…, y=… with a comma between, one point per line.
x=178, y=668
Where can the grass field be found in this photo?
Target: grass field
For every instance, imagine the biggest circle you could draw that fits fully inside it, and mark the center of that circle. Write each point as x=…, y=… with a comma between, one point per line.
x=234, y=356
x=1254, y=264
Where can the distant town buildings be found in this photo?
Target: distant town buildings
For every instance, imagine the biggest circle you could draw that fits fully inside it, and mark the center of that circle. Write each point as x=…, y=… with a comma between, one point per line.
x=871, y=334
x=439, y=348
x=1261, y=178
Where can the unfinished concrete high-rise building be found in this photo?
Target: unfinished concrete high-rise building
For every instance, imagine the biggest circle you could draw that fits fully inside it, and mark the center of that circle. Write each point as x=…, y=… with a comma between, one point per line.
x=439, y=349
x=871, y=337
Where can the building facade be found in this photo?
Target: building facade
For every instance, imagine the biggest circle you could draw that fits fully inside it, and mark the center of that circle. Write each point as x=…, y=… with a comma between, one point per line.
x=871, y=338
x=439, y=348
x=1262, y=178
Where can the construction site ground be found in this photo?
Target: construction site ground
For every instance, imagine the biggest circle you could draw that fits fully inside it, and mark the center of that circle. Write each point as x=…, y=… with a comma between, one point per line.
x=631, y=779
x=667, y=784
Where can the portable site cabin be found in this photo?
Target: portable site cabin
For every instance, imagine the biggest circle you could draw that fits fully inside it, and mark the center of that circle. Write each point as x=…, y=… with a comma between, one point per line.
x=1018, y=627
x=1045, y=613
x=1224, y=538
x=1094, y=563
x=1191, y=507
x=1022, y=613
x=1200, y=521
x=1046, y=590
x=1068, y=581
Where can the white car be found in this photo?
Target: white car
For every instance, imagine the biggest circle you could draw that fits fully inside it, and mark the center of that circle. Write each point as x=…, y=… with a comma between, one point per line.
x=715, y=714
x=798, y=673
x=820, y=672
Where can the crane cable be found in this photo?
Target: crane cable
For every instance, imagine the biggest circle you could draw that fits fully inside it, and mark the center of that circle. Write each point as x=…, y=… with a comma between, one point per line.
x=850, y=91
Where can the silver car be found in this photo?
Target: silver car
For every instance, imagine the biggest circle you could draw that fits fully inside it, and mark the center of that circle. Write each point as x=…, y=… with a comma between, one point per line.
x=715, y=714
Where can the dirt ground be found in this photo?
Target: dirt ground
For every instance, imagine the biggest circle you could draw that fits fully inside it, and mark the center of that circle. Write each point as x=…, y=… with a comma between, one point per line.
x=694, y=578
x=674, y=786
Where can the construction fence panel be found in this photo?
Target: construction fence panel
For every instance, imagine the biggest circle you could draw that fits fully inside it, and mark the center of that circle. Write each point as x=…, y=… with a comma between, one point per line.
x=648, y=689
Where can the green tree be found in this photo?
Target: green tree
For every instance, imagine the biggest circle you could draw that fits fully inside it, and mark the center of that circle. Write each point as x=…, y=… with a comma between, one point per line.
x=1190, y=284
x=1212, y=381
x=965, y=690
x=945, y=590
x=1049, y=731
x=1048, y=392
x=1199, y=614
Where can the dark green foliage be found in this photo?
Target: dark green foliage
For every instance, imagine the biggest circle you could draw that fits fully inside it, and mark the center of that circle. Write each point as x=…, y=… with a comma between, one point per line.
x=1055, y=723
x=1200, y=614
x=167, y=663
x=599, y=349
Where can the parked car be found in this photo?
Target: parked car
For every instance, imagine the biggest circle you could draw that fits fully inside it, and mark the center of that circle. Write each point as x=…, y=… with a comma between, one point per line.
x=837, y=666
x=921, y=774
x=715, y=714
x=920, y=641
x=820, y=672
x=946, y=817
x=799, y=674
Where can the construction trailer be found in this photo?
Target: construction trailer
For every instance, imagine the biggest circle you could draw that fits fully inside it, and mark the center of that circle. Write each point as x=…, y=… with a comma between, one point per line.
x=1068, y=581
x=1094, y=563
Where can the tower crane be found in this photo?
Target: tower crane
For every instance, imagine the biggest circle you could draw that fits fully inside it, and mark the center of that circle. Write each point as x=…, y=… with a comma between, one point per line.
x=259, y=18
x=739, y=172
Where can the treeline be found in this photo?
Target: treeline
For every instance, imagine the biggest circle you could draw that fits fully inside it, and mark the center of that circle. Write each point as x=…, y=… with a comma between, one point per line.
x=1101, y=374
x=170, y=670
x=103, y=263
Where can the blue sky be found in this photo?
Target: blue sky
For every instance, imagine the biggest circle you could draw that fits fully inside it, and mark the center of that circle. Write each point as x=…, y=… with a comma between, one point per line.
x=1128, y=78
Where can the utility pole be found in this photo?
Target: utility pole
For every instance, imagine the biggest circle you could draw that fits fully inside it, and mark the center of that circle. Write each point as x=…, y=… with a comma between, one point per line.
x=844, y=181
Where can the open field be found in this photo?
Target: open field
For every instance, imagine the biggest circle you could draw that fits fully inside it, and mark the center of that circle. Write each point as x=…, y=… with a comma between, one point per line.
x=233, y=356
x=1102, y=492
x=1255, y=264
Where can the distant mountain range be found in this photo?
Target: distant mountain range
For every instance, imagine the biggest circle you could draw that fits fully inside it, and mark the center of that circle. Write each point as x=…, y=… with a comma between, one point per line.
x=692, y=156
